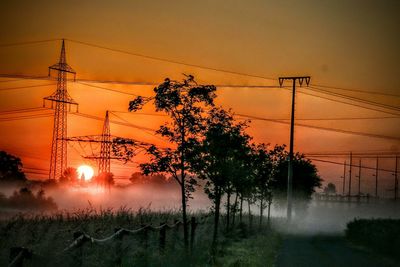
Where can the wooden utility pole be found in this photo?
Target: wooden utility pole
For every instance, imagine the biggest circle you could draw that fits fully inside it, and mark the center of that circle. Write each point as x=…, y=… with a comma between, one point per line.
x=359, y=179
x=396, y=181
x=376, y=176
x=301, y=79
x=351, y=165
x=344, y=178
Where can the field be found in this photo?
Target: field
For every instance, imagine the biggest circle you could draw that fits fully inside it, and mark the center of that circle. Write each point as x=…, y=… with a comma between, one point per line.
x=80, y=239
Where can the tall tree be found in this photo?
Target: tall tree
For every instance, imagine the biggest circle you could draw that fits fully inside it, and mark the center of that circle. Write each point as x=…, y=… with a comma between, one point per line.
x=184, y=102
x=11, y=168
x=216, y=159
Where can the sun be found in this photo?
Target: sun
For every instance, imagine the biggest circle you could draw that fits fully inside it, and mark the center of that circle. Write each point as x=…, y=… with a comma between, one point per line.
x=86, y=172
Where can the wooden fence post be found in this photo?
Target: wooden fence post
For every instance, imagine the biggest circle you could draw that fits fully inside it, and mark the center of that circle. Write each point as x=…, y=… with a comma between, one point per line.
x=192, y=232
x=163, y=233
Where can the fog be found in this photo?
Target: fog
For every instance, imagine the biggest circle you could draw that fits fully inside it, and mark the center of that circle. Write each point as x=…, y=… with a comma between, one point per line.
x=318, y=217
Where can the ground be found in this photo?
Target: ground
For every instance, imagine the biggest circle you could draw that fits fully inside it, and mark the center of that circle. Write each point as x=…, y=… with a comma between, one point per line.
x=328, y=251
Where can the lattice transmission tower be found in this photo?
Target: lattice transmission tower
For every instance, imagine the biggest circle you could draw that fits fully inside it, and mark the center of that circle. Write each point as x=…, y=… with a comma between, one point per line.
x=105, y=147
x=61, y=101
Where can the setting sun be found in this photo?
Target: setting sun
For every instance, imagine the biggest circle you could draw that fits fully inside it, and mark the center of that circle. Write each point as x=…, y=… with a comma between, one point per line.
x=86, y=171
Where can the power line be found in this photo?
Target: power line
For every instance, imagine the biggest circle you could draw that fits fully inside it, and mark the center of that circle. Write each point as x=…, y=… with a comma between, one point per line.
x=372, y=103
x=22, y=110
x=107, y=89
x=29, y=42
x=112, y=121
x=26, y=117
x=356, y=90
x=351, y=104
x=323, y=128
x=25, y=87
x=341, y=163
x=170, y=60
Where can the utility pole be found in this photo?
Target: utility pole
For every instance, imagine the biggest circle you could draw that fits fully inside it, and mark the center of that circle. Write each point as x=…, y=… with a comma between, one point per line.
x=344, y=178
x=61, y=99
x=376, y=176
x=359, y=179
x=351, y=165
x=396, y=181
x=301, y=79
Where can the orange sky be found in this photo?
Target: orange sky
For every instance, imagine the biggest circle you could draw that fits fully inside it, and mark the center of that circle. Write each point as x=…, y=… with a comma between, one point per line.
x=351, y=44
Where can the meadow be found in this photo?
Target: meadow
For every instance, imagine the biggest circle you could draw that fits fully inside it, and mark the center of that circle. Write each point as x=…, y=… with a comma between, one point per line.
x=88, y=238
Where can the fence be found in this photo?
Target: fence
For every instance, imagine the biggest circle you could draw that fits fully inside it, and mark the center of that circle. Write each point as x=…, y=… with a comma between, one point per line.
x=19, y=255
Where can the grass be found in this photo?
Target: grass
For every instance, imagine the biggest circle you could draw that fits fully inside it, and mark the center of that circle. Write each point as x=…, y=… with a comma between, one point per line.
x=259, y=249
x=379, y=235
x=48, y=235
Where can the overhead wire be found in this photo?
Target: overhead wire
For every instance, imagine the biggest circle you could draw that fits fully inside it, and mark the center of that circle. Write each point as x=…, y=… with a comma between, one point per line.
x=356, y=90
x=322, y=128
x=29, y=42
x=358, y=166
x=170, y=60
x=25, y=87
x=373, y=103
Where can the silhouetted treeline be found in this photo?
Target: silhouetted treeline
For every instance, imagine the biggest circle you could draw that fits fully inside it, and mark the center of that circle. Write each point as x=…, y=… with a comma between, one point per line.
x=25, y=199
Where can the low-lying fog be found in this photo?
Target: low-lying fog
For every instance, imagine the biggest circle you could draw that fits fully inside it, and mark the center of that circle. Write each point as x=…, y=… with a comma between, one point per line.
x=319, y=217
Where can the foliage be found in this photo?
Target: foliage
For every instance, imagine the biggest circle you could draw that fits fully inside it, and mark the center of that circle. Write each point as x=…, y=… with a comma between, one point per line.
x=10, y=168
x=305, y=175
x=70, y=175
x=184, y=102
x=219, y=158
x=381, y=235
x=24, y=199
x=330, y=189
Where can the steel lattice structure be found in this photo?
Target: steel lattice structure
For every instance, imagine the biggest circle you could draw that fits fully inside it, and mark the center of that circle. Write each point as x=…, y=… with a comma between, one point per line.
x=105, y=148
x=62, y=101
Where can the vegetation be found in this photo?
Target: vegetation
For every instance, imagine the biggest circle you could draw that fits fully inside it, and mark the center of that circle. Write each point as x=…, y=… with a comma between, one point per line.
x=380, y=235
x=24, y=199
x=184, y=103
x=11, y=168
x=48, y=236
x=215, y=148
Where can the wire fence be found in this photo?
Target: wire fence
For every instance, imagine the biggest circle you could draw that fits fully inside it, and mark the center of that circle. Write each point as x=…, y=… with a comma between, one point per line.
x=20, y=255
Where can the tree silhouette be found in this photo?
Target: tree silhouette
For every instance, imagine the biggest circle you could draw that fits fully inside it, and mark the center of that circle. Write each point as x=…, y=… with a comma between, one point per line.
x=330, y=189
x=10, y=168
x=217, y=158
x=305, y=176
x=184, y=102
x=262, y=167
x=70, y=175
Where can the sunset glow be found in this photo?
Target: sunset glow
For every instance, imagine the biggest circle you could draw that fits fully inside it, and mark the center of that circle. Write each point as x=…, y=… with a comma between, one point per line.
x=86, y=172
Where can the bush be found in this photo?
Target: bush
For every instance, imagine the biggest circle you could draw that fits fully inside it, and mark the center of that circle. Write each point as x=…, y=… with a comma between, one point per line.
x=380, y=235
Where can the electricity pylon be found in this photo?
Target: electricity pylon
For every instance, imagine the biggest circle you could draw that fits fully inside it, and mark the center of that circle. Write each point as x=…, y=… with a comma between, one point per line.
x=62, y=100
x=301, y=79
x=105, y=147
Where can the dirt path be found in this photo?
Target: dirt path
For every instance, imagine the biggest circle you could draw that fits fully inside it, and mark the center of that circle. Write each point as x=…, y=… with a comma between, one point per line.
x=326, y=251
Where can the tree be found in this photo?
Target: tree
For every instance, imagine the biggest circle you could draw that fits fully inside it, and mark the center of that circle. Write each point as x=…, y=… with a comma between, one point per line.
x=217, y=158
x=330, y=189
x=70, y=175
x=11, y=168
x=262, y=167
x=184, y=103
x=305, y=176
